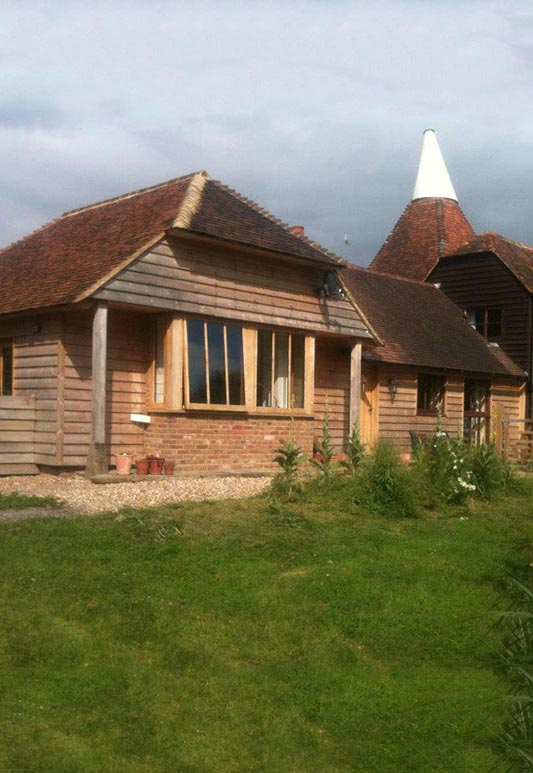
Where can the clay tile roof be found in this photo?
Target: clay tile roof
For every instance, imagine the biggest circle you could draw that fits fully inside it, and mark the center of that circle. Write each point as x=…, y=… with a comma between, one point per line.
x=516, y=256
x=427, y=229
x=69, y=257
x=420, y=326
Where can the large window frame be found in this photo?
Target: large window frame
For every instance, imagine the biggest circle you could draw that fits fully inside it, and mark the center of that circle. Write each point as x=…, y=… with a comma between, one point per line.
x=171, y=367
x=7, y=358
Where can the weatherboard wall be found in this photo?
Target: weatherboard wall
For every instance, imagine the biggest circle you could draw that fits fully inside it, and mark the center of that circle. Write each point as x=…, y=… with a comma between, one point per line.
x=214, y=281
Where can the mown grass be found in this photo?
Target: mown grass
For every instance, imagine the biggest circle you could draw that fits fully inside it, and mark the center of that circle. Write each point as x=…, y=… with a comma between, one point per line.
x=14, y=501
x=251, y=635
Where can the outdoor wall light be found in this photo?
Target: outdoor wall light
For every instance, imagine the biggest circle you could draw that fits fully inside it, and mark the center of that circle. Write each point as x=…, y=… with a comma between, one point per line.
x=393, y=388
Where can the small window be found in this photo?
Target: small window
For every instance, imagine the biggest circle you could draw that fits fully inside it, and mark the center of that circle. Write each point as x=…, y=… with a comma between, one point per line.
x=215, y=363
x=280, y=369
x=430, y=395
x=487, y=321
x=160, y=329
x=6, y=368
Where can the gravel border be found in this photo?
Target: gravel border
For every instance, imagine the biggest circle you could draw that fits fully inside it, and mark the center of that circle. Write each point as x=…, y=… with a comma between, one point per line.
x=78, y=495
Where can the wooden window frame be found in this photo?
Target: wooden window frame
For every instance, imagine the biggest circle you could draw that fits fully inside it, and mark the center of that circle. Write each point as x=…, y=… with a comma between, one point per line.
x=176, y=368
x=485, y=312
x=485, y=415
x=7, y=342
x=443, y=389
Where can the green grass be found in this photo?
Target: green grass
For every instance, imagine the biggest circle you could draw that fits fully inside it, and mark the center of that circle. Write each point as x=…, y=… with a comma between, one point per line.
x=240, y=636
x=16, y=501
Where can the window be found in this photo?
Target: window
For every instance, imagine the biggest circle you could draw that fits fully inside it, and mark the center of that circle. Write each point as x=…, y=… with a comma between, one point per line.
x=476, y=411
x=6, y=367
x=487, y=321
x=160, y=329
x=430, y=395
x=280, y=369
x=215, y=363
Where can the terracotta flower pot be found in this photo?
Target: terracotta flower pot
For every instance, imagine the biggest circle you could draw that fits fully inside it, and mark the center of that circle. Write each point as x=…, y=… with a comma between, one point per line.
x=155, y=465
x=169, y=468
x=141, y=465
x=123, y=463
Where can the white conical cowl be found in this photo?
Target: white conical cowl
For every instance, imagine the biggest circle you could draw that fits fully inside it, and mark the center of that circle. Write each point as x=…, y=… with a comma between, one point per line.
x=432, y=180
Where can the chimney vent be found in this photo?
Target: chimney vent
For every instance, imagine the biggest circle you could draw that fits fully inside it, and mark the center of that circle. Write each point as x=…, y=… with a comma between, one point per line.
x=297, y=230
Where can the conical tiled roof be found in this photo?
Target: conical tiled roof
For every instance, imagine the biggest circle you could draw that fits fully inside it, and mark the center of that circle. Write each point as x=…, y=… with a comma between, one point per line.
x=431, y=225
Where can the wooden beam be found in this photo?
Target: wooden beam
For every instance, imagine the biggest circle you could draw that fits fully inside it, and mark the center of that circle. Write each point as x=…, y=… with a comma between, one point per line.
x=97, y=460
x=355, y=385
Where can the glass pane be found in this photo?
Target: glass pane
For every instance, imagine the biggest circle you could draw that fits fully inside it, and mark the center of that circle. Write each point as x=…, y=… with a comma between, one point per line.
x=196, y=361
x=264, y=368
x=297, y=371
x=217, y=370
x=159, y=380
x=494, y=323
x=281, y=374
x=430, y=393
x=7, y=369
x=235, y=365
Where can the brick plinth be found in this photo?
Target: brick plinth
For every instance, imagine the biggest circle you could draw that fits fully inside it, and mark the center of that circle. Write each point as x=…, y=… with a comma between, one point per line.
x=224, y=443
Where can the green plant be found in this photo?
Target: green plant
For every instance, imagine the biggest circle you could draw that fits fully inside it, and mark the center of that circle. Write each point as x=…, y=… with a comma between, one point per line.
x=290, y=458
x=386, y=486
x=355, y=452
x=490, y=473
x=323, y=461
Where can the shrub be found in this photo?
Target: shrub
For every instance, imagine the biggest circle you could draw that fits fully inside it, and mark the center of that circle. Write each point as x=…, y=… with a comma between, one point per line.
x=490, y=473
x=386, y=487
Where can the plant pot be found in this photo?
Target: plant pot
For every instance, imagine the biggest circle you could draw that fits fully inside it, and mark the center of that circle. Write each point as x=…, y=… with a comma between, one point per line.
x=141, y=466
x=155, y=465
x=169, y=468
x=123, y=463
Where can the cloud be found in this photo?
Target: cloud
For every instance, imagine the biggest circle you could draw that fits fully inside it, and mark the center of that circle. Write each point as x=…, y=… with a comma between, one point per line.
x=314, y=109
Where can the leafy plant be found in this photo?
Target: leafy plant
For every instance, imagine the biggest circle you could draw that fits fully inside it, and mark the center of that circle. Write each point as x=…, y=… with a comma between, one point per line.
x=323, y=460
x=386, y=485
x=290, y=458
x=490, y=473
x=355, y=452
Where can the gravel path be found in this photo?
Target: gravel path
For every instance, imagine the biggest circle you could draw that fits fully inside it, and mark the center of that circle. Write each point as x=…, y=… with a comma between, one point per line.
x=78, y=494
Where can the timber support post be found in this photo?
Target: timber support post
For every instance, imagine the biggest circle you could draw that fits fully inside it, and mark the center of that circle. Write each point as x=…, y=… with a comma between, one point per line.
x=97, y=457
x=355, y=386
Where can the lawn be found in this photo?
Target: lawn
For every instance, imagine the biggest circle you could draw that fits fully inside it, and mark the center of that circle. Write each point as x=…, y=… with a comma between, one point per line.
x=237, y=636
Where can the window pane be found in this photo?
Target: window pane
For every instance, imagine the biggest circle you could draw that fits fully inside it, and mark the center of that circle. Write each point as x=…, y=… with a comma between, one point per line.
x=217, y=370
x=159, y=376
x=7, y=368
x=297, y=371
x=281, y=374
x=264, y=368
x=430, y=393
x=196, y=361
x=494, y=323
x=235, y=365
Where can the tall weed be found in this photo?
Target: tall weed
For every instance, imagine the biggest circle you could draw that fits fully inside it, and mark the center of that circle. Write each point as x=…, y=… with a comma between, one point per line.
x=386, y=487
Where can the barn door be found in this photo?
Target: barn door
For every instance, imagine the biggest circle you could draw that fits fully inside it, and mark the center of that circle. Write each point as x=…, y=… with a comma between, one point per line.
x=369, y=405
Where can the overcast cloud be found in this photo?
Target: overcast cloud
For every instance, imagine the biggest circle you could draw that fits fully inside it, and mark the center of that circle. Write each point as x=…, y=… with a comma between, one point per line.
x=314, y=109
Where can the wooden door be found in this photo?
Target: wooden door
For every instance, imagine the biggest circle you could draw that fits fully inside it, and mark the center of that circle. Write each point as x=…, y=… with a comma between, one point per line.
x=369, y=404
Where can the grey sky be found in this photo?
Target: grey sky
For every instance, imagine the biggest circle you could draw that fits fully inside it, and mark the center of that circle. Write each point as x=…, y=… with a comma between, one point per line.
x=314, y=109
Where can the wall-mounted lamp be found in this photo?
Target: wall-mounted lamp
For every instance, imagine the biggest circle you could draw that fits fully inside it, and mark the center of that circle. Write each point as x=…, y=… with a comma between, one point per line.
x=393, y=389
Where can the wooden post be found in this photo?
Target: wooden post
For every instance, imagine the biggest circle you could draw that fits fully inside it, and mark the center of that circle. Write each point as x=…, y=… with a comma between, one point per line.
x=97, y=458
x=355, y=386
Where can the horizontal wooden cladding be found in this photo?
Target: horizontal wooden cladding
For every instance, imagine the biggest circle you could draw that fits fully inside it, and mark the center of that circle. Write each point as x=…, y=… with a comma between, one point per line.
x=483, y=280
x=127, y=366
x=17, y=425
x=332, y=390
x=224, y=283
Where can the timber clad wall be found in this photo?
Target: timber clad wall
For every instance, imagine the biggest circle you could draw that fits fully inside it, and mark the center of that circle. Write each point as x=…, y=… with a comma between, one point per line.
x=17, y=424
x=480, y=281
x=36, y=343
x=332, y=387
x=128, y=362
x=213, y=281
